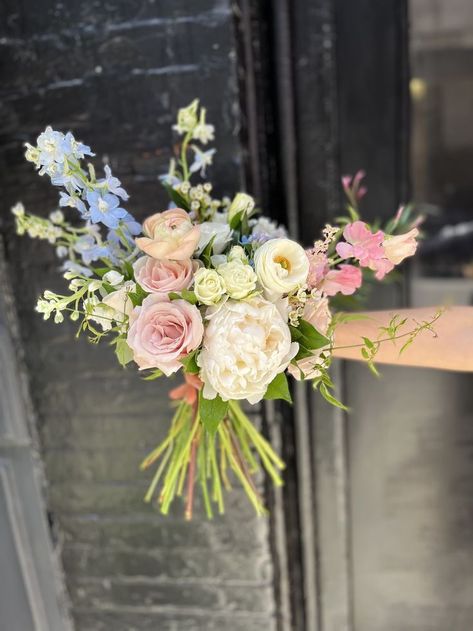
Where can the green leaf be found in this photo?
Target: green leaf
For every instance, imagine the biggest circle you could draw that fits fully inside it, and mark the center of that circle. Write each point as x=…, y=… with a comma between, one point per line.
x=137, y=296
x=176, y=197
x=212, y=412
x=100, y=271
x=155, y=374
x=123, y=351
x=129, y=272
x=207, y=253
x=279, y=388
x=330, y=398
x=236, y=220
x=308, y=336
x=190, y=364
x=369, y=344
x=189, y=296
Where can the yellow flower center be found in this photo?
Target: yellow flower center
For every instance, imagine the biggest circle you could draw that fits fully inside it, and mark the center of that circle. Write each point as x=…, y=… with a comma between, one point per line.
x=283, y=262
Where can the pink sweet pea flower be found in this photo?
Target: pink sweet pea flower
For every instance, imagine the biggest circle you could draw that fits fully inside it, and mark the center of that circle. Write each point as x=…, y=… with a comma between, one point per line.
x=366, y=247
x=352, y=186
x=401, y=246
x=361, y=243
x=346, y=280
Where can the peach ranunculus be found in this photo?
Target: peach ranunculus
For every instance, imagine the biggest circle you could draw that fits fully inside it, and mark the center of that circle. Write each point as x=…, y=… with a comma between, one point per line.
x=169, y=235
x=161, y=277
x=399, y=247
x=163, y=331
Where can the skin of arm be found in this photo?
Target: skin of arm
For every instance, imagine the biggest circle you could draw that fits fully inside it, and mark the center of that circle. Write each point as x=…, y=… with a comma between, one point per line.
x=450, y=349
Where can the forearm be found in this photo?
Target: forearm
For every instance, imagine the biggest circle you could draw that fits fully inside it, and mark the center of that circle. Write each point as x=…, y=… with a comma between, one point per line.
x=451, y=348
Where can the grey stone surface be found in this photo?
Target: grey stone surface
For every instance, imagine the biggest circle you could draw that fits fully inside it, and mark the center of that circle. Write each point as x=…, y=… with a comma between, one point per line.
x=115, y=74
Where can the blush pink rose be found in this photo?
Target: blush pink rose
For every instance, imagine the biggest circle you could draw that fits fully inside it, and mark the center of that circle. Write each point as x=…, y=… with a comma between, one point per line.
x=346, y=280
x=317, y=312
x=161, y=277
x=163, y=331
x=401, y=246
x=169, y=235
x=318, y=267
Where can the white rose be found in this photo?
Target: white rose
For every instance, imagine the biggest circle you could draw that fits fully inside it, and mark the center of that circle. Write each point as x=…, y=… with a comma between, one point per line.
x=246, y=344
x=208, y=286
x=281, y=266
x=237, y=253
x=239, y=278
x=221, y=232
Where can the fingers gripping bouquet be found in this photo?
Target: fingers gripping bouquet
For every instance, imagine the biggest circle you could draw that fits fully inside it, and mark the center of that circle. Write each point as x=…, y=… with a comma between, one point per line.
x=207, y=288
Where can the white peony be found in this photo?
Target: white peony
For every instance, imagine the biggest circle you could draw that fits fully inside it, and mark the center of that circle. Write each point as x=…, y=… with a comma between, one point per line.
x=281, y=266
x=239, y=278
x=246, y=344
x=208, y=286
x=220, y=232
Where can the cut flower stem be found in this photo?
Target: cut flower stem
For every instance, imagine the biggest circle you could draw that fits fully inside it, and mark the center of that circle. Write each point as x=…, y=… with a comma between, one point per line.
x=189, y=456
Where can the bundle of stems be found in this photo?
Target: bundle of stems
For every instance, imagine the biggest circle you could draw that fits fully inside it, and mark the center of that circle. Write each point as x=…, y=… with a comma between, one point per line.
x=190, y=455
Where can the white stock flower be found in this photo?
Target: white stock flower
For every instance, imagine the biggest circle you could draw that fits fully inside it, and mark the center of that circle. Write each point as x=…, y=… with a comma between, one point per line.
x=208, y=286
x=281, y=266
x=239, y=278
x=113, y=277
x=220, y=232
x=246, y=344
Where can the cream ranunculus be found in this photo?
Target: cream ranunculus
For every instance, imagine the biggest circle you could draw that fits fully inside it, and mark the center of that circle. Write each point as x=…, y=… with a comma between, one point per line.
x=281, y=266
x=239, y=278
x=246, y=344
x=208, y=286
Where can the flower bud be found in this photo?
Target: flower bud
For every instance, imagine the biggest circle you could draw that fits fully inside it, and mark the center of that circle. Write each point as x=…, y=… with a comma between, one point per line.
x=242, y=203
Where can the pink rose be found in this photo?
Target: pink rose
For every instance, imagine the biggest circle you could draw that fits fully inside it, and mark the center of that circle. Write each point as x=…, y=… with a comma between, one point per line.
x=162, y=331
x=169, y=235
x=161, y=277
x=399, y=247
x=347, y=279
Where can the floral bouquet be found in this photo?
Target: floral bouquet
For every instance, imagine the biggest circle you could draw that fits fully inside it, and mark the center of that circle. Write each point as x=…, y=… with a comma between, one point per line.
x=208, y=288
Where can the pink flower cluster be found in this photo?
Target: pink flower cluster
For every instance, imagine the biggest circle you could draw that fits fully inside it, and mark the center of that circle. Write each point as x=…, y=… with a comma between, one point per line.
x=163, y=331
x=374, y=250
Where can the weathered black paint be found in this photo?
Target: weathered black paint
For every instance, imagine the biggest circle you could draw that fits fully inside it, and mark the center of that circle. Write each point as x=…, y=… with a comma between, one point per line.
x=115, y=74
